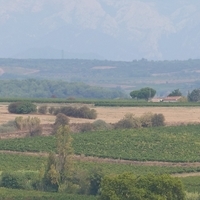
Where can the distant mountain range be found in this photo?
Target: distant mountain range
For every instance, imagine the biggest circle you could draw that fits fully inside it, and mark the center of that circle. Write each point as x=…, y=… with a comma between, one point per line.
x=100, y=29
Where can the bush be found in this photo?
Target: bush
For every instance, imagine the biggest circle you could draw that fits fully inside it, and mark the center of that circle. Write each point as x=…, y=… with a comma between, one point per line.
x=152, y=187
x=32, y=124
x=42, y=109
x=18, y=180
x=36, y=131
x=146, y=120
x=24, y=107
x=101, y=125
x=82, y=112
x=61, y=120
x=158, y=120
x=86, y=127
x=129, y=121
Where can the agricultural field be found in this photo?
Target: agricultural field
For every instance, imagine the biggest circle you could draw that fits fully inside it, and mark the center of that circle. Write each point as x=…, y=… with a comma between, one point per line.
x=170, y=144
x=173, y=115
x=170, y=149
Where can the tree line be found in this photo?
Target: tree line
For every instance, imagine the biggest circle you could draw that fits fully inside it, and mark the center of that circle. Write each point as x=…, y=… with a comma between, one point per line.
x=33, y=88
x=148, y=93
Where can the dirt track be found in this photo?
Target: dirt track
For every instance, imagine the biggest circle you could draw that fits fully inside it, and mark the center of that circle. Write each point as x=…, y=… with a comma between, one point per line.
x=109, y=160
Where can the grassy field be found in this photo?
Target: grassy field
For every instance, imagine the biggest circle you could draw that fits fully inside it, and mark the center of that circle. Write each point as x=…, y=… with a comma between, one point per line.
x=13, y=194
x=10, y=162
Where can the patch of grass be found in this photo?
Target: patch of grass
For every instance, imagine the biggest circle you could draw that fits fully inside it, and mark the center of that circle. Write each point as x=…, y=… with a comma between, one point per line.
x=13, y=194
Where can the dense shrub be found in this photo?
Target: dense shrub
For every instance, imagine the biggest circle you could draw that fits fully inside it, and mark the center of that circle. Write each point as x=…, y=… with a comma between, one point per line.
x=129, y=186
x=146, y=120
x=18, y=180
x=86, y=127
x=82, y=112
x=101, y=125
x=61, y=120
x=158, y=120
x=36, y=131
x=32, y=124
x=42, y=109
x=129, y=121
x=24, y=107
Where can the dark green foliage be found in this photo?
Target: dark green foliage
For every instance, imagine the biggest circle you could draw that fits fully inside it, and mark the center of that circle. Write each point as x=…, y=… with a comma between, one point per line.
x=95, y=178
x=151, y=187
x=158, y=120
x=18, y=180
x=144, y=93
x=51, y=178
x=33, y=88
x=194, y=96
x=23, y=107
x=12, y=108
x=176, y=92
x=42, y=109
x=82, y=112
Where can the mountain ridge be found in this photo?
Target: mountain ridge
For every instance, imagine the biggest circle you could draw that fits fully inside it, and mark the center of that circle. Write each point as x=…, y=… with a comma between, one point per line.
x=137, y=29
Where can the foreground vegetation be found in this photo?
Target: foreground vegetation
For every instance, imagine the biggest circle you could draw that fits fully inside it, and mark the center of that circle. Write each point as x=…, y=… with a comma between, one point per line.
x=14, y=194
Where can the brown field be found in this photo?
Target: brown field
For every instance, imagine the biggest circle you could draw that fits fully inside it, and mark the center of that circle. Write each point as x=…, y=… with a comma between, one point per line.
x=173, y=115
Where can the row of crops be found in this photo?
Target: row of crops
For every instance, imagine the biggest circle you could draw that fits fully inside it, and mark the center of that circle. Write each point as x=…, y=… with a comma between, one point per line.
x=175, y=144
x=109, y=102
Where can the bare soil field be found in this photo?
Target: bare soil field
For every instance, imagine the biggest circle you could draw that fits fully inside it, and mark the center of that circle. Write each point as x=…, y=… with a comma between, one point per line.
x=173, y=115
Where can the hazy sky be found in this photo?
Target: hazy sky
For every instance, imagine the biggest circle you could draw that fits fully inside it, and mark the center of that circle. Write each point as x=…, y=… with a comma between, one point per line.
x=103, y=29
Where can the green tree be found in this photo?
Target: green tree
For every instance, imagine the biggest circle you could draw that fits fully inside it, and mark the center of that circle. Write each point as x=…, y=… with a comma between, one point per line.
x=194, y=96
x=23, y=107
x=127, y=186
x=144, y=93
x=51, y=175
x=65, y=154
x=175, y=93
x=61, y=120
x=59, y=169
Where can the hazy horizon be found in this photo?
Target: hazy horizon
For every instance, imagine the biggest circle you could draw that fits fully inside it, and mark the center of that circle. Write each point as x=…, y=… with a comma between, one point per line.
x=100, y=29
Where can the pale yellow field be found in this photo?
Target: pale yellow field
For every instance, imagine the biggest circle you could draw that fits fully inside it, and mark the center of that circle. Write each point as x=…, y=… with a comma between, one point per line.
x=173, y=115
